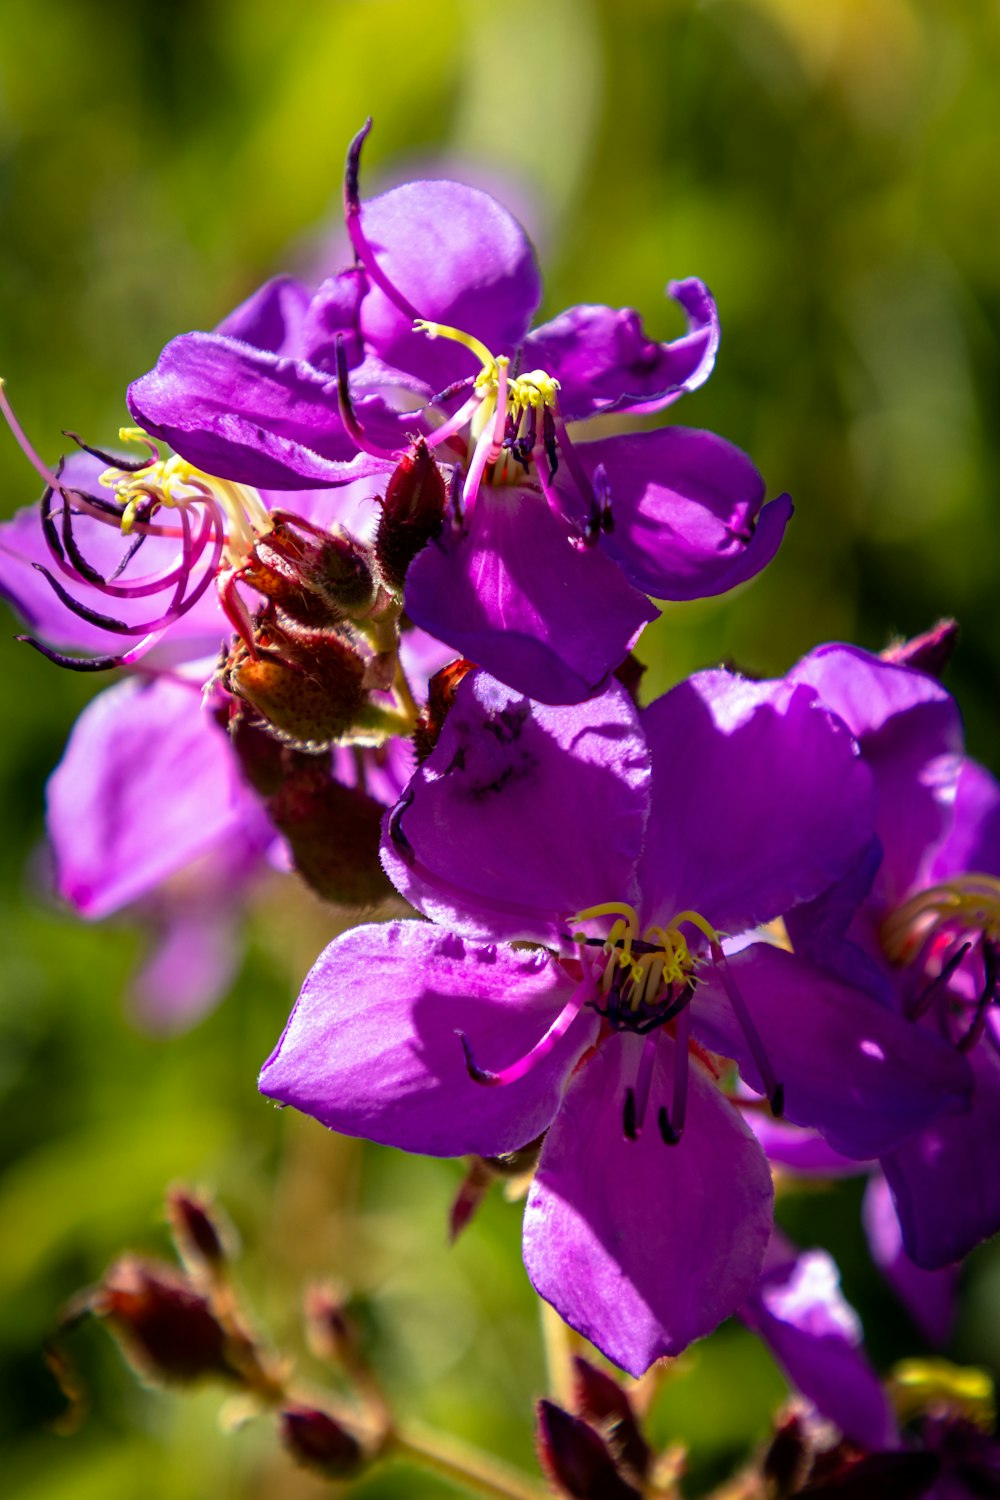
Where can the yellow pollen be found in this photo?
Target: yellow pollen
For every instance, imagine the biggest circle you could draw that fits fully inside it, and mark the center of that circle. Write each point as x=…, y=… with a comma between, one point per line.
x=535, y=390
x=176, y=484
x=668, y=962
x=933, y=1385
x=966, y=903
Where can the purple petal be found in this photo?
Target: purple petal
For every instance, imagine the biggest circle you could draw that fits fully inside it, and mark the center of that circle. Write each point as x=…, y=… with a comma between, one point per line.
x=908, y=727
x=245, y=414
x=759, y=801
x=801, y=1152
x=850, y=1068
x=147, y=783
x=689, y=513
x=372, y=1049
x=641, y=1246
x=271, y=318
x=815, y=1335
x=489, y=836
x=944, y=1180
x=459, y=258
x=973, y=839
x=194, y=960
x=928, y=1296
x=605, y=361
x=516, y=597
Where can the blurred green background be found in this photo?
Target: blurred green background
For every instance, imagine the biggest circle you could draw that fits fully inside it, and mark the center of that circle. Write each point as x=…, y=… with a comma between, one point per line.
x=830, y=168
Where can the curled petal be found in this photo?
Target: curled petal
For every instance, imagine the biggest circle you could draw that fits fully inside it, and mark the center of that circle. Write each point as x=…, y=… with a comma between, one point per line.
x=689, y=513
x=930, y=1297
x=371, y=1046
x=642, y=1246
x=271, y=318
x=604, y=360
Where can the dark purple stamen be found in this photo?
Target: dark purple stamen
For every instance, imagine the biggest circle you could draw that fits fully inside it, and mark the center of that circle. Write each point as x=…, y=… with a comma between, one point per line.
x=925, y=999
x=774, y=1090
x=352, y=213
x=456, y=512
x=394, y=828
x=602, y=495
x=628, y=1116
x=72, y=663
x=115, y=460
x=987, y=995
x=549, y=442
x=484, y=1076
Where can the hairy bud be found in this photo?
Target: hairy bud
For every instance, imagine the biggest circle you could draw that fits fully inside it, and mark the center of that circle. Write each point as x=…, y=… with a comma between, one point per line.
x=319, y=1442
x=576, y=1459
x=441, y=692
x=930, y=652
x=601, y=1400
x=333, y=832
x=412, y=513
x=309, y=687
x=197, y=1233
x=167, y=1331
x=315, y=578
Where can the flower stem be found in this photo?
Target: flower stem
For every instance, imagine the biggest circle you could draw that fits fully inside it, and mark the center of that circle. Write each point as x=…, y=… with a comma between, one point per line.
x=468, y=1468
x=558, y=1355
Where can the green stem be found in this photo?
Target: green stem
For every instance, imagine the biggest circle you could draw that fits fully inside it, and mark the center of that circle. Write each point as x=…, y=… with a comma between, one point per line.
x=468, y=1468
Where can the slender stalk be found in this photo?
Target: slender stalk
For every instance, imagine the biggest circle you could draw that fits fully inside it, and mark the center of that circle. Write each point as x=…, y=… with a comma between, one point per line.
x=466, y=1467
x=556, y=1338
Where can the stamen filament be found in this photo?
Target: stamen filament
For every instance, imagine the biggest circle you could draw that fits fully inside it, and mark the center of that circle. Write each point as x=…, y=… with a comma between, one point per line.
x=541, y=1049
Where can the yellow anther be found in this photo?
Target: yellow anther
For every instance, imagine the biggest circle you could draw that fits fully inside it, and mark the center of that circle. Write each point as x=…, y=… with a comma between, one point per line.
x=918, y=1386
x=969, y=902
x=536, y=389
x=669, y=961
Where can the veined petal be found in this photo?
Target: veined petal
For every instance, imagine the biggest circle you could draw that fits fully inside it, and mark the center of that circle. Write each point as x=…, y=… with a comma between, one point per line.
x=605, y=361
x=850, y=1068
x=759, y=801
x=147, y=783
x=246, y=414
x=689, y=513
x=523, y=815
x=371, y=1047
x=642, y=1246
x=944, y=1179
x=459, y=258
x=973, y=838
x=516, y=597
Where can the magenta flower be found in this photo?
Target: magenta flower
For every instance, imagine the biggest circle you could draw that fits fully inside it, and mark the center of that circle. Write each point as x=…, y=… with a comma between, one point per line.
x=542, y=575
x=922, y=915
x=627, y=845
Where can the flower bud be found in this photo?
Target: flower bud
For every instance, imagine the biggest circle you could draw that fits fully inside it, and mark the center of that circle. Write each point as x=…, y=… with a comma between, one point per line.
x=930, y=652
x=412, y=513
x=317, y=1441
x=441, y=692
x=315, y=578
x=167, y=1331
x=309, y=688
x=333, y=832
x=576, y=1459
x=199, y=1238
x=601, y=1400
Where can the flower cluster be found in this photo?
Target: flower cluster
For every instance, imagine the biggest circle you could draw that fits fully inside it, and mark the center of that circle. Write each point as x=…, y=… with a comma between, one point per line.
x=376, y=608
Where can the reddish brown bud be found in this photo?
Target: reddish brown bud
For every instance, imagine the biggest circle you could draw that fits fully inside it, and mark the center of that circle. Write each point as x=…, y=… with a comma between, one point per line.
x=880, y=1476
x=630, y=674
x=412, y=513
x=316, y=578
x=199, y=1238
x=333, y=831
x=441, y=692
x=309, y=687
x=331, y=1331
x=576, y=1459
x=167, y=1331
x=317, y=1441
x=930, y=652
x=600, y=1399
x=787, y=1461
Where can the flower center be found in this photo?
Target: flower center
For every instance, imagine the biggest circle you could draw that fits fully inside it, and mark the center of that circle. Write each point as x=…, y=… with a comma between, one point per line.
x=949, y=937
x=647, y=978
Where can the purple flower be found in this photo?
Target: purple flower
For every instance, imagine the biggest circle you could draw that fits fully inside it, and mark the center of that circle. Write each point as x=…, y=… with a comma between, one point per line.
x=627, y=845
x=922, y=915
x=542, y=574
x=798, y=1309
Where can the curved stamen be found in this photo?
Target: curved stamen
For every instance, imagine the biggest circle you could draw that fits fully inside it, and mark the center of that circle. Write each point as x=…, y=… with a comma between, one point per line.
x=538, y=1052
x=348, y=415
x=352, y=216
x=774, y=1090
x=671, y=1124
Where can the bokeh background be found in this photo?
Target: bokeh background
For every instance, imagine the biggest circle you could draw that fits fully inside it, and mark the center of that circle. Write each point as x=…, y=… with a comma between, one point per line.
x=830, y=168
